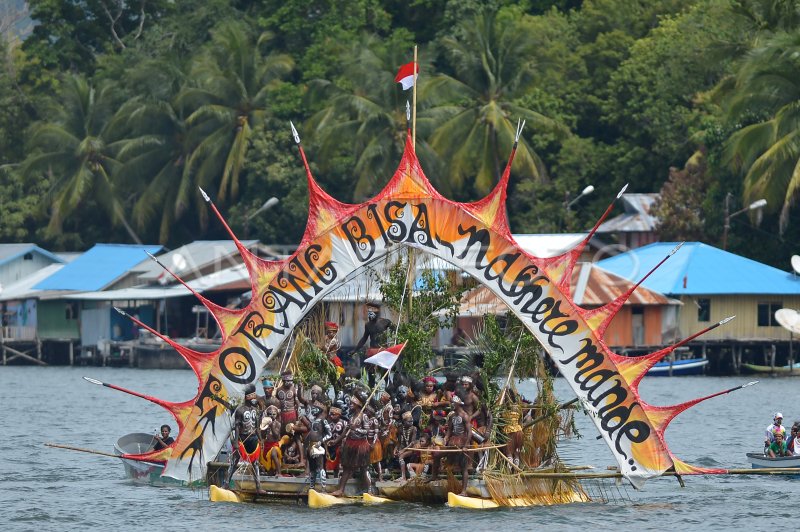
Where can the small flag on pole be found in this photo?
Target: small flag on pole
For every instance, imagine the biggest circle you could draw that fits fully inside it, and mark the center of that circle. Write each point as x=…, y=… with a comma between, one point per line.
x=406, y=76
x=386, y=357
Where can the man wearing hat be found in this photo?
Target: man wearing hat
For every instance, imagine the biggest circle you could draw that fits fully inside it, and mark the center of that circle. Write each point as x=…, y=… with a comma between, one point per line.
x=375, y=331
x=270, y=429
x=334, y=445
x=775, y=427
x=269, y=394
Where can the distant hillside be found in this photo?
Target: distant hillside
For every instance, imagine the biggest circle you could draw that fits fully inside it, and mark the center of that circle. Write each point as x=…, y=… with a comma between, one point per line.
x=15, y=20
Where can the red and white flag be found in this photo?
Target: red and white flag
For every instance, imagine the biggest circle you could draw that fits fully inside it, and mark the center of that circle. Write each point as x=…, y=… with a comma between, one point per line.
x=386, y=357
x=407, y=75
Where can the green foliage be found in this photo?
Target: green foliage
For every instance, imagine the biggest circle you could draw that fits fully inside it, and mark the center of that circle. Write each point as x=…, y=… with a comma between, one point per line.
x=313, y=366
x=422, y=312
x=501, y=342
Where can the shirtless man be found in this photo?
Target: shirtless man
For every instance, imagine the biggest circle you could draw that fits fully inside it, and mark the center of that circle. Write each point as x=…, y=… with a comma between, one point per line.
x=287, y=396
x=269, y=394
x=355, y=449
x=405, y=437
x=246, y=419
x=375, y=331
x=334, y=444
x=271, y=455
x=459, y=436
x=469, y=398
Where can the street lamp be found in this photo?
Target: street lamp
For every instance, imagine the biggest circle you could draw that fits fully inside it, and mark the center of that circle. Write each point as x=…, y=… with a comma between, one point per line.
x=758, y=204
x=585, y=192
x=271, y=202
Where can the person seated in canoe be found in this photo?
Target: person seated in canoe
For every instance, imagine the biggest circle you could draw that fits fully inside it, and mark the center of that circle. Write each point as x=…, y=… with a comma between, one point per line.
x=163, y=441
x=270, y=433
x=793, y=442
x=458, y=438
x=269, y=394
x=512, y=430
x=406, y=437
x=437, y=427
x=246, y=420
x=778, y=447
x=288, y=397
x=424, y=459
x=429, y=399
x=774, y=428
x=293, y=451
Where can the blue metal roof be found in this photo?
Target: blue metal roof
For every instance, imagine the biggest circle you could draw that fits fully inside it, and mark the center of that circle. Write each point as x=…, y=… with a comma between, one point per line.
x=97, y=268
x=9, y=252
x=700, y=269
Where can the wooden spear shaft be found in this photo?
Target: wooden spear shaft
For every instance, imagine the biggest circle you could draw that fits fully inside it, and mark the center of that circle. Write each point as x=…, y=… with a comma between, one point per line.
x=81, y=449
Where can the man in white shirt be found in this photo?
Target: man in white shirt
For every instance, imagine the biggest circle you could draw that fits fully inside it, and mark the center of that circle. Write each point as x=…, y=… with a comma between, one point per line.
x=776, y=426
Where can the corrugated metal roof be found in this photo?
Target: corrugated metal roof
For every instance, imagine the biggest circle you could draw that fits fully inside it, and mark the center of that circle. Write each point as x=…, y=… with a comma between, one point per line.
x=9, y=252
x=97, y=268
x=132, y=294
x=23, y=289
x=592, y=287
x=193, y=257
x=636, y=218
x=700, y=269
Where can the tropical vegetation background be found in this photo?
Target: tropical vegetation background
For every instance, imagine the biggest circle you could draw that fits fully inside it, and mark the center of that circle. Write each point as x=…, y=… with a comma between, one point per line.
x=113, y=112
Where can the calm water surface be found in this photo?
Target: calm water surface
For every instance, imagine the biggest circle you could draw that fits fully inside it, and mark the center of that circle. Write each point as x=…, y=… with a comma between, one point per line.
x=51, y=489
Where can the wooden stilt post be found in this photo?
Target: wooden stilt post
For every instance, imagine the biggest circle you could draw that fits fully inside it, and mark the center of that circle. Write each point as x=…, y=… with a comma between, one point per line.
x=38, y=348
x=4, y=354
x=71, y=354
x=772, y=359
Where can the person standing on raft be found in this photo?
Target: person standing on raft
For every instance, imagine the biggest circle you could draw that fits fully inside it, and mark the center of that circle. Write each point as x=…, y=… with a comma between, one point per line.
x=355, y=449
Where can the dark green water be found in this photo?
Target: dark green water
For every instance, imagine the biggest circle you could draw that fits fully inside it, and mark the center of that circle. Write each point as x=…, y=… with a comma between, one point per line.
x=51, y=489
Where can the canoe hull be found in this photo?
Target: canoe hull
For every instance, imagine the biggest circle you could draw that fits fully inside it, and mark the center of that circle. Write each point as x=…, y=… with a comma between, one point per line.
x=143, y=472
x=690, y=366
x=778, y=370
x=759, y=461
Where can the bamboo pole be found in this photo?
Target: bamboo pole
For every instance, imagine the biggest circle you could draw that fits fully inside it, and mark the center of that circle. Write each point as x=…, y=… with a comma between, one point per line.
x=414, y=104
x=81, y=449
x=588, y=476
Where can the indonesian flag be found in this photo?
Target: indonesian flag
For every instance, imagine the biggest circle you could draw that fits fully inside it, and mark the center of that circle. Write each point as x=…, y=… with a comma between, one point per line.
x=407, y=75
x=386, y=358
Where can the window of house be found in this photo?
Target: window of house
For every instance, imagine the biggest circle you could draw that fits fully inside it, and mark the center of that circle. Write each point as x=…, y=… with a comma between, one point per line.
x=27, y=256
x=766, y=314
x=703, y=309
x=71, y=311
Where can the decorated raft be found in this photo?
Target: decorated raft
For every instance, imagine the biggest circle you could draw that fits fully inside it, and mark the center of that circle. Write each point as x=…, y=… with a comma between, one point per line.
x=341, y=240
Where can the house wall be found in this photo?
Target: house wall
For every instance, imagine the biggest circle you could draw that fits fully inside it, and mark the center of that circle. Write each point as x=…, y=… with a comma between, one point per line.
x=652, y=325
x=13, y=271
x=744, y=307
x=53, y=321
x=620, y=330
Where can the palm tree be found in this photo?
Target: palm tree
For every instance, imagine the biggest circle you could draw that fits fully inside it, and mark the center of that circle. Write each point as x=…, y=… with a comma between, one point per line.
x=231, y=97
x=476, y=106
x=77, y=149
x=766, y=95
x=364, y=113
x=154, y=158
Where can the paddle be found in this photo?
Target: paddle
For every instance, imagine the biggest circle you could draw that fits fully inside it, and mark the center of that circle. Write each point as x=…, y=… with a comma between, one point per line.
x=92, y=451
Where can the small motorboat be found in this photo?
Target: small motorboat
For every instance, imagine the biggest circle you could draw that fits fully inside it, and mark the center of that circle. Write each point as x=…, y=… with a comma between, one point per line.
x=760, y=461
x=688, y=366
x=142, y=472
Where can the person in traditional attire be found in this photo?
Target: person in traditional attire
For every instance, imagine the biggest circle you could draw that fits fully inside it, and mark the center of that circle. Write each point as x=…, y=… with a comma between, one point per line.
x=376, y=449
x=269, y=394
x=406, y=436
x=424, y=459
x=271, y=454
x=287, y=395
x=334, y=444
x=512, y=429
x=469, y=399
x=428, y=399
x=375, y=330
x=246, y=419
x=330, y=346
x=458, y=437
x=293, y=450
x=356, y=448
x=386, y=417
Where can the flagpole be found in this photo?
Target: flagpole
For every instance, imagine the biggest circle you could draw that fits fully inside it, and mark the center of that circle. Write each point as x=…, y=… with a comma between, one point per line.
x=414, y=104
